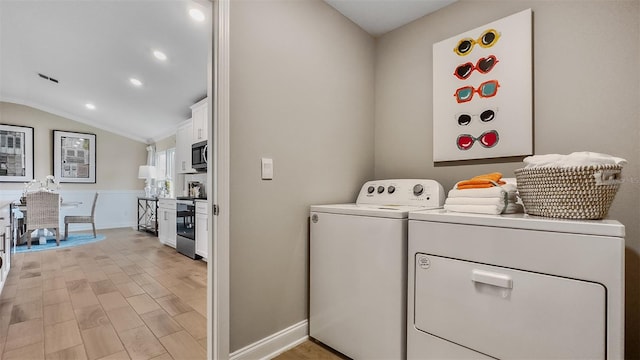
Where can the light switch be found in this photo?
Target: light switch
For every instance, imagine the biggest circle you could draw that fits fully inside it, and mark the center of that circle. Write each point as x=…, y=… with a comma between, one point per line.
x=267, y=169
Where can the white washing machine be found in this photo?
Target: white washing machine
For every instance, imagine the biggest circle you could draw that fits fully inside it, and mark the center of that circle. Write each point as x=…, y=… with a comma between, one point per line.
x=514, y=287
x=358, y=262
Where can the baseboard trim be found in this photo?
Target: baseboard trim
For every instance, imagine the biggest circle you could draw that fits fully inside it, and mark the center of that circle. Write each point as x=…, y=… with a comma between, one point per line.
x=275, y=344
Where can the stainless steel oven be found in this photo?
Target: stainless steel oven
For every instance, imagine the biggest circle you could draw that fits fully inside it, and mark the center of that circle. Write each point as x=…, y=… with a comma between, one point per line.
x=186, y=227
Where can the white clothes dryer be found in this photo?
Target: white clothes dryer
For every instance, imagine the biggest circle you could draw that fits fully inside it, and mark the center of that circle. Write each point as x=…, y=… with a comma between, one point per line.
x=358, y=262
x=514, y=287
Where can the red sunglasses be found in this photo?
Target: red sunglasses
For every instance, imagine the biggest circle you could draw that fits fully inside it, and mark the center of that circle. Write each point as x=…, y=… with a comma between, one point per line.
x=488, y=139
x=483, y=66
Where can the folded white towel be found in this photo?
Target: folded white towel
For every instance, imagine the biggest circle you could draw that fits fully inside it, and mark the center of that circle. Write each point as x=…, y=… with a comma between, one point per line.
x=475, y=201
x=477, y=209
x=492, y=192
x=582, y=158
x=496, y=191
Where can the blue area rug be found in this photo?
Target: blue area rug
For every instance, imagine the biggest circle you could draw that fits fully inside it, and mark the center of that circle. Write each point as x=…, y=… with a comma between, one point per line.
x=72, y=240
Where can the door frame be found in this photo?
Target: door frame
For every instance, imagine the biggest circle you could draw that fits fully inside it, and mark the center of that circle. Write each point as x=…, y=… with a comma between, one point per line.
x=218, y=175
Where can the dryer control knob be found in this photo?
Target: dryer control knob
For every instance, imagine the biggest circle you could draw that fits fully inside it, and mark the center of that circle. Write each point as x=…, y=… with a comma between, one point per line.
x=380, y=189
x=371, y=189
x=391, y=189
x=418, y=190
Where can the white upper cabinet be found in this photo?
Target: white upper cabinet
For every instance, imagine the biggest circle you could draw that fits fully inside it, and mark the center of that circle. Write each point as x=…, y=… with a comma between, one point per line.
x=200, y=118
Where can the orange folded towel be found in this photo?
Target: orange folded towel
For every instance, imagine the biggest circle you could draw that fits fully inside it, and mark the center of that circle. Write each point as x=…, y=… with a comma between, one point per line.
x=481, y=181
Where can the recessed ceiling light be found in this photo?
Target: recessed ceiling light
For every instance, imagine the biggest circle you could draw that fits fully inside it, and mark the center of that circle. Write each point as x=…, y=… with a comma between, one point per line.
x=135, y=82
x=90, y=106
x=196, y=14
x=159, y=55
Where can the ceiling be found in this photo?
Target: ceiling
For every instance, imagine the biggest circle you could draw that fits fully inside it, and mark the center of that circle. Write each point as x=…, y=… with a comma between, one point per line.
x=93, y=48
x=381, y=16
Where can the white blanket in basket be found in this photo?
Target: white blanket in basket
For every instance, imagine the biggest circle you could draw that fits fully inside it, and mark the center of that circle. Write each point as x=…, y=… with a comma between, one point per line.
x=582, y=158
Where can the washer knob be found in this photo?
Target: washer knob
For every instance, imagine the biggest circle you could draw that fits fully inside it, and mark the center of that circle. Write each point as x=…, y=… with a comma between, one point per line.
x=391, y=189
x=418, y=189
x=371, y=189
x=380, y=189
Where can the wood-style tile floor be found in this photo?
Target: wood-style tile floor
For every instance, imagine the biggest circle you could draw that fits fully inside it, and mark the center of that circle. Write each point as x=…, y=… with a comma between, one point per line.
x=126, y=297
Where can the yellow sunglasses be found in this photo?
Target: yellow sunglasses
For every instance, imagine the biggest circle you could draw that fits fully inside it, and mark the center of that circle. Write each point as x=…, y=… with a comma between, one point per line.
x=486, y=40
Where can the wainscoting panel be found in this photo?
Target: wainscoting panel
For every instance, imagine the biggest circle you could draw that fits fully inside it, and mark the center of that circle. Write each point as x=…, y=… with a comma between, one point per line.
x=115, y=208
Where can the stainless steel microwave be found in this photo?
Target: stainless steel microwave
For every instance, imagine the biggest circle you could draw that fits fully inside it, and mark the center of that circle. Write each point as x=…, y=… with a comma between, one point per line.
x=199, y=156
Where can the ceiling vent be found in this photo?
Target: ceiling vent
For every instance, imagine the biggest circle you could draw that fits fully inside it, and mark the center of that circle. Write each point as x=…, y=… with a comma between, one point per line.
x=48, y=78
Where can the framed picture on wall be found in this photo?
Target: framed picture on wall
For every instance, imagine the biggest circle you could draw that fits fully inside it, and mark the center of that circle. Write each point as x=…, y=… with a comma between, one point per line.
x=16, y=153
x=483, y=92
x=74, y=157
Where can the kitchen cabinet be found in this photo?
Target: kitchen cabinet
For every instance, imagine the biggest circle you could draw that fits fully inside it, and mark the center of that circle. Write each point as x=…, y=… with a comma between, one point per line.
x=202, y=229
x=183, y=148
x=167, y=222
x=200, y=119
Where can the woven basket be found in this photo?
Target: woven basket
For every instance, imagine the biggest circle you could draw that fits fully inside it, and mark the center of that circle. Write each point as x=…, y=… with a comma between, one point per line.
x=569, y=193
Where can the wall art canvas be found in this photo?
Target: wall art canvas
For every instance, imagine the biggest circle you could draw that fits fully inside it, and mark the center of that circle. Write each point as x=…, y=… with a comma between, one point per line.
x=74, y=157
x=483, y=92
x=16, y=153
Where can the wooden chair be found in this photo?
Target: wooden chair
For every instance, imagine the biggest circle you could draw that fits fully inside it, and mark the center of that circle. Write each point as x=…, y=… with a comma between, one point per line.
x=75, y=219
x=43, y=212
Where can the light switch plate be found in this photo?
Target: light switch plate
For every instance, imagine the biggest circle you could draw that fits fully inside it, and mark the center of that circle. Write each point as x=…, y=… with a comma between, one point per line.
x=267, y=169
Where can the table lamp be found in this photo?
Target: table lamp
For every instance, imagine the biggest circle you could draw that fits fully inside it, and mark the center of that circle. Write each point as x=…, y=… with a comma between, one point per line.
x=147, y=172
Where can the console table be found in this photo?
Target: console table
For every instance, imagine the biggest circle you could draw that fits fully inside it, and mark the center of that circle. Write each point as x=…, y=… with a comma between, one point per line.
x=147, y=215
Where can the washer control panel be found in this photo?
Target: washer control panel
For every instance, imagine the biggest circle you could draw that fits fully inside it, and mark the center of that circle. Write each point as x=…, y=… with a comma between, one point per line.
x=414, y=192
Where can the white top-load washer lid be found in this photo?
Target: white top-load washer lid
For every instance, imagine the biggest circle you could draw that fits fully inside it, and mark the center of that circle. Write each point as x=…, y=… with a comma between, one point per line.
x=611, y=228
x=393, y=198
x=385, y=211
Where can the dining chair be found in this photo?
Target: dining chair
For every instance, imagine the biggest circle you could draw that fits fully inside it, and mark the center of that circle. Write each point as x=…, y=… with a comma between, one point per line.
x=43, y=212
x=76, y=219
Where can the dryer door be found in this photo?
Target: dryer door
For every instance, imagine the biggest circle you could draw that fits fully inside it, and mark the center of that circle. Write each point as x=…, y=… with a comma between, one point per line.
x=507, y=313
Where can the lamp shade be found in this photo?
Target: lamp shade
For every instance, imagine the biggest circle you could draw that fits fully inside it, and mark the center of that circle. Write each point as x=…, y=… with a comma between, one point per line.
x=146, y=172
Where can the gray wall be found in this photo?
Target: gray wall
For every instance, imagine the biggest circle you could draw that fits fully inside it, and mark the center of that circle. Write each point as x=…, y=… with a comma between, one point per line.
x=585, y=99
x=301, y=93
x=117, y=157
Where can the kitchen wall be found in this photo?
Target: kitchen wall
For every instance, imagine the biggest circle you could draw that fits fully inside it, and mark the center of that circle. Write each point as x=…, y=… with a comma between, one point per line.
x=117, y=160
x=166, y=143
x=585, y=99
x=302, y=90
x=117, y=157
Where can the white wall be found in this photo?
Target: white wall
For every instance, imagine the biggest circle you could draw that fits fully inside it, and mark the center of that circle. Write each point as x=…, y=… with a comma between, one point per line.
x=302, y=94
x=117, y=160
x=585, y=99
x=117, y=157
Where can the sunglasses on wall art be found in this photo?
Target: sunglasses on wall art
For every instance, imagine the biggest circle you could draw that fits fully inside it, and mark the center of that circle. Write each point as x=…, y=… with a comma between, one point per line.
x=464, y=119
x=486, y=40
x=483, y=66
x=485, y=90
x=488, y=139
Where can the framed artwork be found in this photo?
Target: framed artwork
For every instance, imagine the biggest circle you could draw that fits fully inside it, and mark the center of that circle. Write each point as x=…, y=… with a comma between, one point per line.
x=16, y=153
x=483, y=92
x=74, y=157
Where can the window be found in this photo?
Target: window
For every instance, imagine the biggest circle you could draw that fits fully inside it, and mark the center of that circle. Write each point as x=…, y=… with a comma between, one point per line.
x=161, y=165
x=165, y=171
